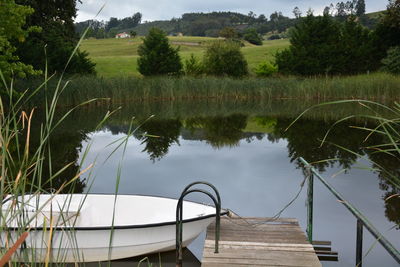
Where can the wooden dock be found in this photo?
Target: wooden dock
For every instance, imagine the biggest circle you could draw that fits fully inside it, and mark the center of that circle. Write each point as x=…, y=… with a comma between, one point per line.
x=275, y=243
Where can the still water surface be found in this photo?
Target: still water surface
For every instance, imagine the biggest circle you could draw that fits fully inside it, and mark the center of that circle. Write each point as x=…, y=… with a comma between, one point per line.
x=245, y=150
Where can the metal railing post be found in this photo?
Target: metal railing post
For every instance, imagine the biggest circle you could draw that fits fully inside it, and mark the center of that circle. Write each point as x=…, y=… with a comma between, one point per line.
x=310, y=206
x=363, y=220
x=359, y=243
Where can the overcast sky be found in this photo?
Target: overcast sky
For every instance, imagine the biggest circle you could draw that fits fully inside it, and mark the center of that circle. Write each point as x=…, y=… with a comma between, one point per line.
x=167, y=9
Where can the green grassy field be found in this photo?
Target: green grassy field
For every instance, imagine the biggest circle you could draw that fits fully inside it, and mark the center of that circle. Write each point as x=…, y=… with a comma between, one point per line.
x=118, y=57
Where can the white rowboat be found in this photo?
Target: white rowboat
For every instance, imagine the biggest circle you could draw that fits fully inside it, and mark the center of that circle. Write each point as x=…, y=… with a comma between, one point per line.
x=96, y=227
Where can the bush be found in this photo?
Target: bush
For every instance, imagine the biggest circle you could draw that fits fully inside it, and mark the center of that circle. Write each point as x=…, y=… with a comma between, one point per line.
x=193, y=66
x=253, y=37
x=391, y=63
x=157, y=57
x=265, y=69
x=225, y=58
x=274, y=37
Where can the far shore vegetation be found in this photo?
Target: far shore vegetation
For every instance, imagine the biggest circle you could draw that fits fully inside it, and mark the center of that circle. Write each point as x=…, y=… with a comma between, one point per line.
x=279, y=58
x=380, y=87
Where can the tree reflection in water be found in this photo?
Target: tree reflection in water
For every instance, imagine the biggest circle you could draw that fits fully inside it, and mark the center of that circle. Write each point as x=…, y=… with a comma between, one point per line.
x=303, y=140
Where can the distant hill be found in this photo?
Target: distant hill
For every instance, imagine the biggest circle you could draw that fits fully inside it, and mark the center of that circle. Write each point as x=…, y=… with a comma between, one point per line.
x=205, y=24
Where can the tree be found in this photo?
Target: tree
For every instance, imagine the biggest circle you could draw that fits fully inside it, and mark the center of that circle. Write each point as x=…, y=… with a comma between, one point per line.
x=392, y=62
x=360, y=8
x=387, y=33
x=228, y=33
x=297, y=12
x=311, y=46
x=355, y=46
x=327, y=11
x=253, y=37
x=341, y=9
x=157, y=57
x=56, y=18
x=13, y=17
x=133, y=34
x=225, y=58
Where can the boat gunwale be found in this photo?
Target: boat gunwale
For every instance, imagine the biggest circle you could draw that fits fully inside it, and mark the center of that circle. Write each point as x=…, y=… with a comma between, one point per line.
x=122, y=227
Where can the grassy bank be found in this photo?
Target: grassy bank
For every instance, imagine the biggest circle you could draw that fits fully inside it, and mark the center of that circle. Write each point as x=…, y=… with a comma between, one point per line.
x=378, y=86
x=118, y=57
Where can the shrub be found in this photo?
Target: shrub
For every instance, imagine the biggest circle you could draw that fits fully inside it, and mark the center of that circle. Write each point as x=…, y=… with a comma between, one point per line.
x=391, y=63
x=274, y=37
x=265, y=69
x=253, y=37
x=157, y=57
x=193, y=66
x=225, y=58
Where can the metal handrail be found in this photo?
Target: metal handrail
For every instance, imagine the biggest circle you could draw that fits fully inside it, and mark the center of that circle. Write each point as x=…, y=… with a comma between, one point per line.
x=361, y=219
x=179, y=217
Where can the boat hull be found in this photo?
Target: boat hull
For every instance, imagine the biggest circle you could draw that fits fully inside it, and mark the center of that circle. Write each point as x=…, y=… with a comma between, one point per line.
x=94, y=245
x=79, y=241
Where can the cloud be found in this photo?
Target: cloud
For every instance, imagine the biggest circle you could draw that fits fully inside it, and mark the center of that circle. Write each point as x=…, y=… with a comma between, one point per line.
x=167, y=9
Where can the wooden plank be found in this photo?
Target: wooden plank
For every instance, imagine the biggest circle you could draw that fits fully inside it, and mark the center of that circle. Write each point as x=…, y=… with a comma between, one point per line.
x=259, y=242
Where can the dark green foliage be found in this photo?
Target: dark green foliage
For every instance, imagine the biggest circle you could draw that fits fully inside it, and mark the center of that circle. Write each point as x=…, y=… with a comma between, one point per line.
x=311, y=50
x=193, y=67
x=133, y=34
x=274, y=37
x=392, y=62
x=55, y=17
x=387, y=33
x=356, y=48
x=13, y=18
x=253, y=37
x=225, y=58
x=322, y=45
x=228, y=33
x=360, y=7
x=157, y=57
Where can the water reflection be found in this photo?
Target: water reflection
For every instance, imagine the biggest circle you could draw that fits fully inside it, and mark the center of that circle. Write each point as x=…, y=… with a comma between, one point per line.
x=226, y=129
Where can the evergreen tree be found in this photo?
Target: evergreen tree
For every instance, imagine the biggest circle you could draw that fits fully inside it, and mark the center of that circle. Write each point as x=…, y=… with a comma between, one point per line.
x=322, y=45
x=157, y=57
x=56, y=18
x=360, y=7
x=311, y=46
x=355, y=46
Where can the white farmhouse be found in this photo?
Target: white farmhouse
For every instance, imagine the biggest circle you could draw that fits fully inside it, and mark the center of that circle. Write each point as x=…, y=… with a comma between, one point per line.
x=122, y=35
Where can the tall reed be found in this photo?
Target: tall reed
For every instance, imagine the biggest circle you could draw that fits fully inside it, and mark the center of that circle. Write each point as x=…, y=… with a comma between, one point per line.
x=378, y=86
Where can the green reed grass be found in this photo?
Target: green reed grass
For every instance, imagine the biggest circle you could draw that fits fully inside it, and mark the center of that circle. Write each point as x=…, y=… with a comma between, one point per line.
x=380, y=87
x=26, y=170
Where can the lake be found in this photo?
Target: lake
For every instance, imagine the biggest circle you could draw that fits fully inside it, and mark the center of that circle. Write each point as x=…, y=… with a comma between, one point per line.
x=245, y=149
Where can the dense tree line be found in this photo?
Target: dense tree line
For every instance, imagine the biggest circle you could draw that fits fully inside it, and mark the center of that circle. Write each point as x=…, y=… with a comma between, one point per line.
x=108, y=29
x=325, y=45
x=211, y=24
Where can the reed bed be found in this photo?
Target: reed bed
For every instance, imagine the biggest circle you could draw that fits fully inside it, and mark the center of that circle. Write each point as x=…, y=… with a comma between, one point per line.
x=380, y=87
